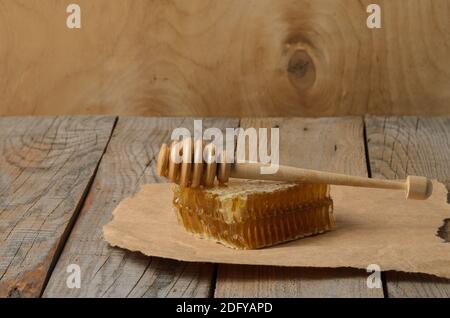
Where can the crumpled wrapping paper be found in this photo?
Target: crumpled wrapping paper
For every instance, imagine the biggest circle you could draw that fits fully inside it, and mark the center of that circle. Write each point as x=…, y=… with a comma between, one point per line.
x=373, y=226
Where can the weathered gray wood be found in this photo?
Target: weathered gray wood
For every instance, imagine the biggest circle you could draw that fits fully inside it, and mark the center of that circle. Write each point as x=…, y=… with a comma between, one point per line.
x=46, y=165
x=111, y=272
x=399, y=146
x=329, y=144
x=408, y=285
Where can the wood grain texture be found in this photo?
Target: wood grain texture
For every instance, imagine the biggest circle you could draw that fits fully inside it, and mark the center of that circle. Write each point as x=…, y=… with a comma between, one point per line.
x=330, y=144
x=46, y=167
x=112, y=272
x=410, y=145
x=231, y=57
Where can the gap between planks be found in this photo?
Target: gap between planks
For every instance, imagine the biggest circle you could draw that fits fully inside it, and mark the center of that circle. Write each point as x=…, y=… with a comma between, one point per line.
x=112, y=272
x=396, y=280
x=47, y=164
x=334, y=144
x=398, y=146
x=341, y=282
x=76, y=213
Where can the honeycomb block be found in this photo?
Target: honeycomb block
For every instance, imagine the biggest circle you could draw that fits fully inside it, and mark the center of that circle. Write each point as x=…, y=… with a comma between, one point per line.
x=255, y=214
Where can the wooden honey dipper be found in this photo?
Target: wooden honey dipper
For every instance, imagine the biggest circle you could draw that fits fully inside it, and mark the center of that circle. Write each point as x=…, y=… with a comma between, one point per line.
x=193, y=171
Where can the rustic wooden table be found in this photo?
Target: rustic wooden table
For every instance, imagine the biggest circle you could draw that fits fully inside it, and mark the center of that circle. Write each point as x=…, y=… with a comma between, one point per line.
x=61, y=177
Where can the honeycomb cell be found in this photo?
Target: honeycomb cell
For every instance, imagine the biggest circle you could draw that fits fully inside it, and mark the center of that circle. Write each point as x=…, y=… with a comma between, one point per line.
x=255, y=214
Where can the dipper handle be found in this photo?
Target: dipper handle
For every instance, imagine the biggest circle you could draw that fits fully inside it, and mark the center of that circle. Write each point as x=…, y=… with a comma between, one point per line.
x=193, y=171
x=416, y=188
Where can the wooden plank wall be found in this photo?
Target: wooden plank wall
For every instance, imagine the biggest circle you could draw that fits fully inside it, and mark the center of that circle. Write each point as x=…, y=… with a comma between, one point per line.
x=225, y=58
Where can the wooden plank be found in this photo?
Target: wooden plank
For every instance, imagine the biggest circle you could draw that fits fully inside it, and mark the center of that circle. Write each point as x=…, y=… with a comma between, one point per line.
x=399, y=146
x=332, y=144
x=46, y=167
x=254, y=57
x=111, y=272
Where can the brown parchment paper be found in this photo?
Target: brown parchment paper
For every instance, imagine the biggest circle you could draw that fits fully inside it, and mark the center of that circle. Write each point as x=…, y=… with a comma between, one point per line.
x=372, y=227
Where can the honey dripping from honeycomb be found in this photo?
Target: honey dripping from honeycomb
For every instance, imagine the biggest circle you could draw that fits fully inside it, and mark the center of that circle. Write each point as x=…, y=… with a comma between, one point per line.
x=255, y=214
